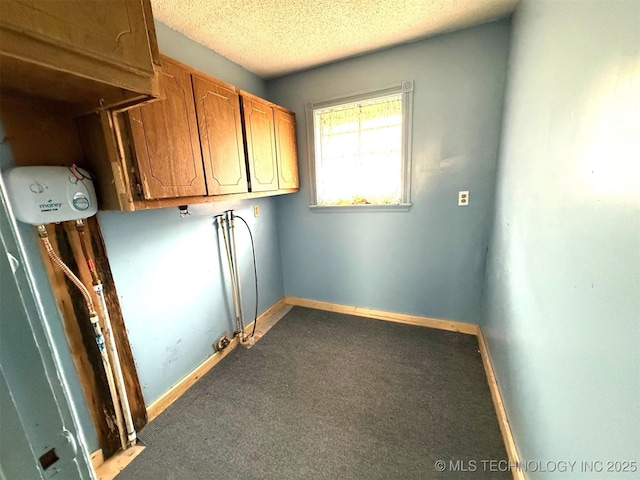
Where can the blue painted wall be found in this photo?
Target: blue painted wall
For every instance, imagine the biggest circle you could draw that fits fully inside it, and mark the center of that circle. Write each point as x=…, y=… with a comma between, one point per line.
x=167, y=269
x=562, y=306
x=428, y=261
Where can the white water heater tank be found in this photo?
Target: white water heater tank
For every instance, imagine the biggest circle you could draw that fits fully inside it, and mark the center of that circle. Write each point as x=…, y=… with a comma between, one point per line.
x=42, y=195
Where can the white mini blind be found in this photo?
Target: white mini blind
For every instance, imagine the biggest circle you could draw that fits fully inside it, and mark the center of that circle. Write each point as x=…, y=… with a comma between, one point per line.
x=359, y=152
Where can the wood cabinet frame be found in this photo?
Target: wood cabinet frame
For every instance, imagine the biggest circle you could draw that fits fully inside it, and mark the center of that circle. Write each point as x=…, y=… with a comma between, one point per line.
x=217, y=106
x=166, y=139
x=277, y=146
x=110, y=148
x=52, y=51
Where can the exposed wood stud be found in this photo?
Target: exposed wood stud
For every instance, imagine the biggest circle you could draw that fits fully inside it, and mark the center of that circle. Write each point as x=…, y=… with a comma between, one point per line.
x=110, y=469
x=81, y=340
x=132, y=382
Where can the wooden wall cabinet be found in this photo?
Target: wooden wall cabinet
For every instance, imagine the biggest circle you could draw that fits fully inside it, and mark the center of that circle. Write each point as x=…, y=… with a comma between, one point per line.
x=218, y=109
x=203, y=140
x=261, y=144
x=270, y=135
x=84, y=53
x=286, y=149
x=166, y=140
x=189, y=143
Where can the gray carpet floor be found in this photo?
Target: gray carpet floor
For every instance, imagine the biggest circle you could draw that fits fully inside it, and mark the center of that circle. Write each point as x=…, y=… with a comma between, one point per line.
x=331, y=396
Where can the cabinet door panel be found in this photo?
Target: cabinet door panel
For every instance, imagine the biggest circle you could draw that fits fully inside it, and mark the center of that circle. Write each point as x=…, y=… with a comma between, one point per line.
x=166, y=140
x=261, y=151
x=286, y=149
x=112, y=31
x=218, y=111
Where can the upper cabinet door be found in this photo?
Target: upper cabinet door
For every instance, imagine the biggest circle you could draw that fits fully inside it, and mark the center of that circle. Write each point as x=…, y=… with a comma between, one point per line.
x=165, y=134
x=261, y=146
x=113, y=31
x=285, y=124
x=102, y=49
x=218, y=111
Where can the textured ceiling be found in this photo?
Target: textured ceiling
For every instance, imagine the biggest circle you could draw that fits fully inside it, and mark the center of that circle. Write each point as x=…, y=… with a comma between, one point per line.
x=274, y=37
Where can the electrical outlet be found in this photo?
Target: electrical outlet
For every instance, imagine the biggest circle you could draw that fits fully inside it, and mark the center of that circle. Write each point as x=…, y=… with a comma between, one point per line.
x=463, y=198
x=256, y=210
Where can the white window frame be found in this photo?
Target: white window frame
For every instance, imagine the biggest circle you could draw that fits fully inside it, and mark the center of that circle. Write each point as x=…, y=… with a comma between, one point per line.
x=406, y=89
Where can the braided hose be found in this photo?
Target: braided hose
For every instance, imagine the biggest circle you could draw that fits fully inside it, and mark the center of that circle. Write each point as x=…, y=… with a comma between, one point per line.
x=66, y=270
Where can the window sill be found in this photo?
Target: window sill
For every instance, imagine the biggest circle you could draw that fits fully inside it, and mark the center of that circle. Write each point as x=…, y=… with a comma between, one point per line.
x=403, y=207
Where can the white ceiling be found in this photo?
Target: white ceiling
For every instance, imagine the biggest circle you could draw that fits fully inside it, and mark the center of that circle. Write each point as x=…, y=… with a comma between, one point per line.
x=274, y=37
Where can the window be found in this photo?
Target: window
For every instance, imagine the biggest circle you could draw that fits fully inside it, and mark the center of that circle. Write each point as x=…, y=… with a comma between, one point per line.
x=359, y=150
